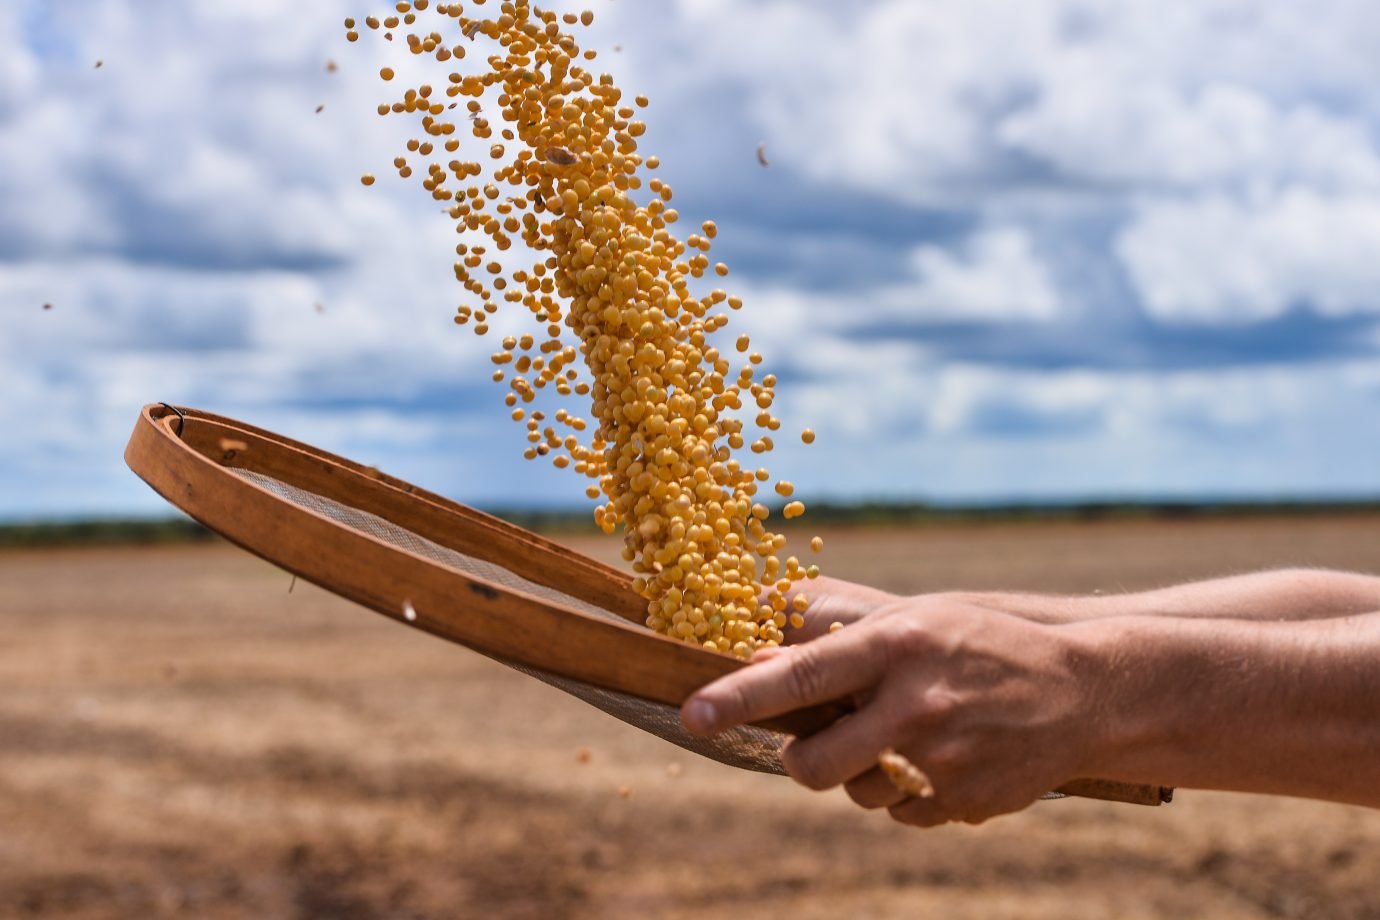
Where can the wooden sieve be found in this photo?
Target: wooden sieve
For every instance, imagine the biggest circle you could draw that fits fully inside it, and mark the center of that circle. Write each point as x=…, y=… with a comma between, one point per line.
x=464, y=576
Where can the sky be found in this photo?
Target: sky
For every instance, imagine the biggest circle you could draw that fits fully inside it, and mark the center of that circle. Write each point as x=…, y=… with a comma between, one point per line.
x=1031, y=250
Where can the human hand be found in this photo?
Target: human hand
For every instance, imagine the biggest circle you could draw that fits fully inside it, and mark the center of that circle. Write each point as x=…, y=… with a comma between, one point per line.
x=992, y=707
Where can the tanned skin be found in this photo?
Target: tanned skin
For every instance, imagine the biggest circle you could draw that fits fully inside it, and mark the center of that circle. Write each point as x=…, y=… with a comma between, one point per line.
x=1265, y=683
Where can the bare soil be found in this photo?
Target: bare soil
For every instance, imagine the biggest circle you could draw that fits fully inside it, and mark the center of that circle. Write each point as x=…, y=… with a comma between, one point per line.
x=182, y=736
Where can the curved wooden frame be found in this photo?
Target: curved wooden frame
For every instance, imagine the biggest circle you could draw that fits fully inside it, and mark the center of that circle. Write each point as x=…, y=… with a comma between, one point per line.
x=183, y=454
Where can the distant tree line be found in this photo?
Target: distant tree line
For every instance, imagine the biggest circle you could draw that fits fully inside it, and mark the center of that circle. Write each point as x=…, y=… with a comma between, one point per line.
x=104, y=532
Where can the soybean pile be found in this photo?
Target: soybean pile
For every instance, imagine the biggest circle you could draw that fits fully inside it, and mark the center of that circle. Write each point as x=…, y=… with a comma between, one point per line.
x=552, y=163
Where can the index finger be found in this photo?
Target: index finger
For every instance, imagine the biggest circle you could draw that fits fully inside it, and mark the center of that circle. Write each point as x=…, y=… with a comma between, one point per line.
x=827, y=669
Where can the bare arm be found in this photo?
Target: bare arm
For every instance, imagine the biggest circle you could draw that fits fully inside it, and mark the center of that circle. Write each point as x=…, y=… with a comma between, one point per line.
x=1284, y=594
x=1291, y=708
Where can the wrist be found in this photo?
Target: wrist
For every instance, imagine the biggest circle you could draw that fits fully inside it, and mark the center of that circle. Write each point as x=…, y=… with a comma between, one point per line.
x=1284, y=708
x=1141, y=685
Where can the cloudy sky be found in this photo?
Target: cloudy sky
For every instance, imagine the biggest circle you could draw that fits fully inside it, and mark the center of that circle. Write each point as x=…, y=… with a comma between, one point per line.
x=1031, y=249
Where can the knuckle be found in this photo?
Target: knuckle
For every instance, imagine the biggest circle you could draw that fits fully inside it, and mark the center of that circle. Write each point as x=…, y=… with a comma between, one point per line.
x=738, y=702
x=804, y=676
x=951, y=759
x=940, y=707
x=922, y=714
x=909, y=637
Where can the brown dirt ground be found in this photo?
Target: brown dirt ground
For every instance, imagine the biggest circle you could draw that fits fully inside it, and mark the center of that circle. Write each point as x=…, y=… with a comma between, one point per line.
x=181, y=736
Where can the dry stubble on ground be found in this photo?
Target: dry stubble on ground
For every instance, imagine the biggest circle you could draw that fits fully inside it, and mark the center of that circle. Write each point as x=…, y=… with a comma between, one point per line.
x=181, y=736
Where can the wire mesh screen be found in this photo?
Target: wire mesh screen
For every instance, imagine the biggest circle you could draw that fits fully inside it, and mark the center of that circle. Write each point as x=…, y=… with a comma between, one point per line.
x=748, y=748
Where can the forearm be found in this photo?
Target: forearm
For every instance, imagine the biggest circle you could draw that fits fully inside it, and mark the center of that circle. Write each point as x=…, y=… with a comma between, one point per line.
x=1284, y=708
x=1285, y=594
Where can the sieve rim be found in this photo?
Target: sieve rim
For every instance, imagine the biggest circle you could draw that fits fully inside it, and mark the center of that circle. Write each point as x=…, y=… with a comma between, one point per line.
x=190, y=471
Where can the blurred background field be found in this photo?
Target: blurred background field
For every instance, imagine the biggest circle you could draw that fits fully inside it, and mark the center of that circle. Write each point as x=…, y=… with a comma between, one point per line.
x=184, y=736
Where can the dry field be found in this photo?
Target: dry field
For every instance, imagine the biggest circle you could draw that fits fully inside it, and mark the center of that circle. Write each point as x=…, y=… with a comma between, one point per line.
x=181, y=736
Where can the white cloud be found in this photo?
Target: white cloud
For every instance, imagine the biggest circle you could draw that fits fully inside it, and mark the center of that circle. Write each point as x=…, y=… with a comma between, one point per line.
x=925, y=98
x=977, y=432
x=995, y=276
x=1147, y=135
x=1260, y=121
x=18, y=70
x=1217, y=259
x=889, y=97
x=998, y=277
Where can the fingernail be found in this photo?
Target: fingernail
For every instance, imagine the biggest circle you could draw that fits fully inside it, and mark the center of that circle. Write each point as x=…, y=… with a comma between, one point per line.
x=699, y=716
